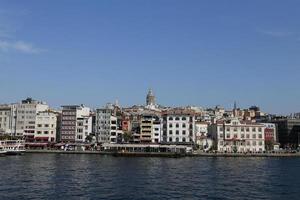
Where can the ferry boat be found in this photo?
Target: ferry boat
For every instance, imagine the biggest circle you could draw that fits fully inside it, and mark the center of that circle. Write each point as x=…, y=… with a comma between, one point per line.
x=13, y=147
x=2, y=152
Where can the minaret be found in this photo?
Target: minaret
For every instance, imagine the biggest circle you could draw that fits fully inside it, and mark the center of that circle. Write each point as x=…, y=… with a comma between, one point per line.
x=150, y=100
x=234, y=109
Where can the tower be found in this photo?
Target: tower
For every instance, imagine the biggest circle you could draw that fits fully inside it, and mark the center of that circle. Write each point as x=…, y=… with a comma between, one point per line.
x=150, y=99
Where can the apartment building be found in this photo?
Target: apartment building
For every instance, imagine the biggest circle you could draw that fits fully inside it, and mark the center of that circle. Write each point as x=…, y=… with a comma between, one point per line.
x=178, y=126
x=27, y=112
x=76, y=123
x=150, y=128
x=108, y=125
x=7, y=119
x=46, y=127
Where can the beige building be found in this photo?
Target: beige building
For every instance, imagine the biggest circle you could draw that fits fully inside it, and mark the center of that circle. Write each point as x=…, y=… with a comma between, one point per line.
x=238, y=136
x=46, y=126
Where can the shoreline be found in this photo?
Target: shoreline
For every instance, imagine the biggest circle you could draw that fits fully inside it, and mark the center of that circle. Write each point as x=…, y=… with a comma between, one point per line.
x=165, y=154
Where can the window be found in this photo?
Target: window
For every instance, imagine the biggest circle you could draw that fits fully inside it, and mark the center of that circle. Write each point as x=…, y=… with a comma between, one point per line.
x=177, y=132
x=254, y=136
x=170, y=132
x=242, y=135
x=177, y=119
x=254, y=143
x=227, y=135
x=242, y=129
x=183, y=118
x=183, y=125
x=39, y=125
x=170, y=125
x=260, y=136
x=46, y=125
x=177, y=139
x=247, y=136
x=170, y=118
x=170, y=139
x=183, y=132
x=46, y=132
x=221, y=129
x=253, y=129
x=235, y=129
x=228, y=129
x=247, y=129
x=221, y=135
x=259, y=129
x=177, y=125
x=183, y=139
x=260, y=143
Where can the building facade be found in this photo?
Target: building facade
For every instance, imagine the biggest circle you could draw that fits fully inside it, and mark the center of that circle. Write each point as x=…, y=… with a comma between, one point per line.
x=178, y=126
x=288, y=132
x=46, y=127
x=76, y=123
x=8, y=119
x=150, y=128
x=108, y=125
x=237, y=136
x=27, y=112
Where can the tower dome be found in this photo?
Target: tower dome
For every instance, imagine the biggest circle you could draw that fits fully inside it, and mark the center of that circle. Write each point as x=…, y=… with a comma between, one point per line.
x=150, y=100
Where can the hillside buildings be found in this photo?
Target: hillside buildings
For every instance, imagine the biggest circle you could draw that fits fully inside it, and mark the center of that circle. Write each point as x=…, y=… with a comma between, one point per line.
x=236, y=130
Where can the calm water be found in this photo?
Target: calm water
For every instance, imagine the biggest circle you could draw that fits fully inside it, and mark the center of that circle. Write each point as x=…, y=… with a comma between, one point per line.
x=50, y=176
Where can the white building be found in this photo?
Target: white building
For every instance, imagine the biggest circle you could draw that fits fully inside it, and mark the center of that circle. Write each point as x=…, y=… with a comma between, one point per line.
x=7, y=119
x=46, y=126
x=156, y=131
x=76, y=123
x=236, y=136
x=178, y=126
x=27, y=111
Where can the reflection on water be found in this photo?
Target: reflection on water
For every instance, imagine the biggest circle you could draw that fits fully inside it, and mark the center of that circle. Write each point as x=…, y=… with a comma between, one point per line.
x=54, y=176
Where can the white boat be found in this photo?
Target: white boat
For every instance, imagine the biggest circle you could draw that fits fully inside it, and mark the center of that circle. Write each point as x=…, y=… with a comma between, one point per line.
x=13, y=147
x=2, y=152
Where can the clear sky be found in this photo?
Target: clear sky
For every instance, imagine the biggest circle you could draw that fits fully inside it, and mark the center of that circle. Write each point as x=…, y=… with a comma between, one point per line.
x=203, y=53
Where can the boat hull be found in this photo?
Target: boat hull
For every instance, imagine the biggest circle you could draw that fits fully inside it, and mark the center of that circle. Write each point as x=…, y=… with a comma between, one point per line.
x=14, y=153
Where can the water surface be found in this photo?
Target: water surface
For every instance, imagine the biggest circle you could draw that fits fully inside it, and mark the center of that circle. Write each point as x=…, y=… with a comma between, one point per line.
x=61, y=176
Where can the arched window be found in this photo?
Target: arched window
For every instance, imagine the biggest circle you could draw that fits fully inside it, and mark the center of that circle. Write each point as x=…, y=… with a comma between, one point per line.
x=170, y=118
x=177, y=119
x=183, y=139
x=177, y=139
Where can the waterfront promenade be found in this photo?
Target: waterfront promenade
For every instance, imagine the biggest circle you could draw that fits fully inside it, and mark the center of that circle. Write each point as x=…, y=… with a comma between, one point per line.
x=167, y=154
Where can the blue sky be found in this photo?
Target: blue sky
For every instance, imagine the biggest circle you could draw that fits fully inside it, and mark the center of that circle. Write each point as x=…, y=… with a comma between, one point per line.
x=202, y=53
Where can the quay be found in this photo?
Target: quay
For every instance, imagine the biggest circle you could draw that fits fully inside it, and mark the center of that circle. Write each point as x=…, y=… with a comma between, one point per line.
x=166, y=154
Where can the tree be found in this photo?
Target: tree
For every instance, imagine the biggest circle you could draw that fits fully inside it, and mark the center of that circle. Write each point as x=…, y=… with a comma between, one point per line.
x=127, y=137
x=269, y=145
